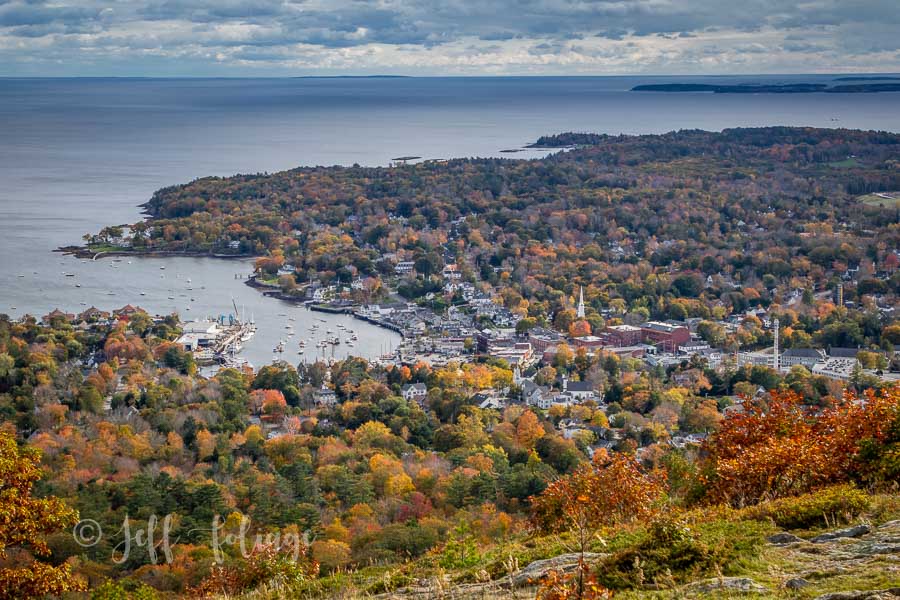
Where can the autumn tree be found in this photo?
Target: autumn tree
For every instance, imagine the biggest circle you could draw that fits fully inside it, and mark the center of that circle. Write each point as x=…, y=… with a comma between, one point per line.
x=274, y=405
x=782, y=447
x=614, y=489
x=528, y=430
x=24, y=521
x=580, y=328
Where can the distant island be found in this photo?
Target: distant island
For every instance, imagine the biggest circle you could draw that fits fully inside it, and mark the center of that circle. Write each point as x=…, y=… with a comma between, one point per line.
x=792, y=88
x=569, y=139
x=352, y=77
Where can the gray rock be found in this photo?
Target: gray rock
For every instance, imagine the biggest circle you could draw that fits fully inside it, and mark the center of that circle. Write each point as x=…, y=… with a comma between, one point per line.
x=796, y=583
x=733, y=584
x=850, y=532
x=783, y=538
x=875, y=547
x=564, y=562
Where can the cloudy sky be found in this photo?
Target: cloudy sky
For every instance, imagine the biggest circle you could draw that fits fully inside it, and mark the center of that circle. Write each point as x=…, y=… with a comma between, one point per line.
x=446, y=37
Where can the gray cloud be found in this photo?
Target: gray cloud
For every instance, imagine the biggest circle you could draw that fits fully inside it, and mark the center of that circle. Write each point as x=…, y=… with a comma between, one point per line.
x=406, y=35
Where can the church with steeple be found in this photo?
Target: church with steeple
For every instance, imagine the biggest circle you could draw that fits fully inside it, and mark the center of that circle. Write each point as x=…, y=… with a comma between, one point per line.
x=580, y=311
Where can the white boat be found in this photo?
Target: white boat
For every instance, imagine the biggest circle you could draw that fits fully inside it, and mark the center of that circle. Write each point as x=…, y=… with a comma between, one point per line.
x=235, y=362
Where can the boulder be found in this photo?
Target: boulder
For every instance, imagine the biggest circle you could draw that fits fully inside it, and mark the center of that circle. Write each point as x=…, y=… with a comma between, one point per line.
x=564, y=562
x=796, y=583
x=850, y=532
x=783, y=538
x=727, y=584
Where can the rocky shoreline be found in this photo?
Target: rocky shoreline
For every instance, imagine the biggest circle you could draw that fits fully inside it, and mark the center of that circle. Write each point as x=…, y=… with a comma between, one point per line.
x=84, y=252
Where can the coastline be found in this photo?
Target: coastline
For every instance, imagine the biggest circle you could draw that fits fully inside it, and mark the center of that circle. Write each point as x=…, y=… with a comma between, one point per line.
x=324, y=308
x=84, y=252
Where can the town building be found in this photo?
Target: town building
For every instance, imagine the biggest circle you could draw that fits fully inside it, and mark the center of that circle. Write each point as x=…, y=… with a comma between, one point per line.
x=622, y=335
x=414, y=392
x=451, y=272
x=579, y=391
x=807, y=357
x=668, y=337
x=404, y=267
x=325, y=396
x=541, y=338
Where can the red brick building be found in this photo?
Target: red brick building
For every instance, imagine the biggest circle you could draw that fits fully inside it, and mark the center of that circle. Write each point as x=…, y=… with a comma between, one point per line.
x=665, y=336
x=622, y=335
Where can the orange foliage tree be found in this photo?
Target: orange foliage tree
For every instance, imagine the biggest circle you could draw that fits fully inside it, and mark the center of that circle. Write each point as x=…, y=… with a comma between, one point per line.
x=580, y=328
x=614, y=489
x=781, y=447
x=24, y=520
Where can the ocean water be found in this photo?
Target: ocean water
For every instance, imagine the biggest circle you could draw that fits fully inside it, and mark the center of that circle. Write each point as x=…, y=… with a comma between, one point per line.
x=77, y=154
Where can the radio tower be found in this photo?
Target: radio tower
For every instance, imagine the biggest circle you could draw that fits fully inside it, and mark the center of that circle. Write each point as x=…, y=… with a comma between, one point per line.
x=840, y=294
x=777, y=357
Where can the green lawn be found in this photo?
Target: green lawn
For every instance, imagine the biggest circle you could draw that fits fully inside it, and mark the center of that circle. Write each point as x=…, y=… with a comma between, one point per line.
x=873, y=200
x=847, y=163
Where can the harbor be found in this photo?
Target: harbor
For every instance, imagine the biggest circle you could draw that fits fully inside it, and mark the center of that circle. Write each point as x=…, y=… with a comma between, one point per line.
x=216, y=290
x=217, y=341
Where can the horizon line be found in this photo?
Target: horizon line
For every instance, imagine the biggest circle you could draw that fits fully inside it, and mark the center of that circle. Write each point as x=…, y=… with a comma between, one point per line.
x=479, y=76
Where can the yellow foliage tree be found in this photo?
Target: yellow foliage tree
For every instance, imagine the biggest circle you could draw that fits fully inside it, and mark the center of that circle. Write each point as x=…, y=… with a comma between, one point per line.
x=528, y=430
x=24, y=520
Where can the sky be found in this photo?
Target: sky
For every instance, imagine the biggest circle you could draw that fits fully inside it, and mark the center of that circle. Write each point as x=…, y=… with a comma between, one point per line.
x=446, y=37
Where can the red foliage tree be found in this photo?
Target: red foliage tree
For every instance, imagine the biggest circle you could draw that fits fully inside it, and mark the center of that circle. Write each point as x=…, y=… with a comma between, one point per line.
x=782, y=447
